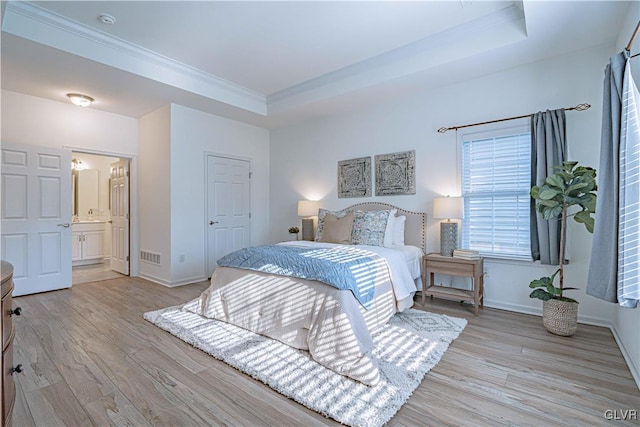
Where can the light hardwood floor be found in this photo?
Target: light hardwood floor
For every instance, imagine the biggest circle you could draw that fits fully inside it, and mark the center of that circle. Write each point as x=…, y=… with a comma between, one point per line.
x=91, y=359
x=93, y=273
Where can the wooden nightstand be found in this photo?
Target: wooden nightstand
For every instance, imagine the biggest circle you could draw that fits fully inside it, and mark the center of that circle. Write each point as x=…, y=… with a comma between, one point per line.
x=436, y=263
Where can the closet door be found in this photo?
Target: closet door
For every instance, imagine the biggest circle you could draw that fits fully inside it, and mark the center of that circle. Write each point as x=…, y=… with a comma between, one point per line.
x=228, y=225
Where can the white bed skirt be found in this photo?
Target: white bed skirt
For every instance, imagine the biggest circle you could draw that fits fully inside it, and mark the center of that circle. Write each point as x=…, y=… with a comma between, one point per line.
x=303, y=314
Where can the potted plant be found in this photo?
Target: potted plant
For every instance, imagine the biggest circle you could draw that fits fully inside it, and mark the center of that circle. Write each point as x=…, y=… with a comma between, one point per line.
x=293, y=231
x=572, y=186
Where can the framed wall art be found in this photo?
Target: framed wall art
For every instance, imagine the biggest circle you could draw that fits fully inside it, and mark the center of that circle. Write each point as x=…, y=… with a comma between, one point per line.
x=395, y=173
x=354, y=177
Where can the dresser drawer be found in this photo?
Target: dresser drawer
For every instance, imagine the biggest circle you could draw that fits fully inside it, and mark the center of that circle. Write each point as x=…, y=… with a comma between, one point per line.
x=8, y=384
x=8, y=331
x=7, y=321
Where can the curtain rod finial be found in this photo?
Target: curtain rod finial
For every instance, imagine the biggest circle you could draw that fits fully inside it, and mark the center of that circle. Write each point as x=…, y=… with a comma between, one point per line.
x=443, y=130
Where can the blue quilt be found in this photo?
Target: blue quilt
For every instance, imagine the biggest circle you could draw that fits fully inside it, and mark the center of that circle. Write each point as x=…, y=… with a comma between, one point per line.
x=342, y=267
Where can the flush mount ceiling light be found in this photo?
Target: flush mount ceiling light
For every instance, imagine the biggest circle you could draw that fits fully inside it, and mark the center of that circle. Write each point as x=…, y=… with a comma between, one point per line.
x=107, y=19
x=79, y=99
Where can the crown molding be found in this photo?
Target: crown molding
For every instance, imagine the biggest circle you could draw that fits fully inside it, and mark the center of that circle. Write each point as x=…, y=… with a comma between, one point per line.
x=489, y=32
x=32, y=22
x=495, y=30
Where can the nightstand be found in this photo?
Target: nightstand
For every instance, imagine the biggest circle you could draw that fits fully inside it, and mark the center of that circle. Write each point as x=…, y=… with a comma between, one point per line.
x=436, y=263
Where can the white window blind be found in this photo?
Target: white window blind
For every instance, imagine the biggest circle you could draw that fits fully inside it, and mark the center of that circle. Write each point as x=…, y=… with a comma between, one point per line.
x=496, y=175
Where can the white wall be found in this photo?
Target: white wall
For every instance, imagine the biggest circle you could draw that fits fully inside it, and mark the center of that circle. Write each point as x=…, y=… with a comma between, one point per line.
x=173, y=143
x=155, y=189
x=37, y=121
x=304, y=157
x=627, y=321
x=194, y=133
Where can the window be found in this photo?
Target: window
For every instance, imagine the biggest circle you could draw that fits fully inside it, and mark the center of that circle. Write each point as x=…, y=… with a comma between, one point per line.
x=496, y=175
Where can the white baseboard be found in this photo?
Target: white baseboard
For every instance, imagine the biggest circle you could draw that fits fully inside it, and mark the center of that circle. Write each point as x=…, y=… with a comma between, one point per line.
x=188, y=281
x=89, y=262
x=524, y=309
x=154, y=279
x=587, y=320
x=163, y=282
x=635, y=370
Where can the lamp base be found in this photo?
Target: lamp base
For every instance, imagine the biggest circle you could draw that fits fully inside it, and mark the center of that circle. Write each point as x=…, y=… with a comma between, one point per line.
x=307, y=229
x=448, y=238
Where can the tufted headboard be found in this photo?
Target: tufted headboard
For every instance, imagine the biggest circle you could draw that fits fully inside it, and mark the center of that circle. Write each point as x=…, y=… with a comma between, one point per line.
x=415, y=225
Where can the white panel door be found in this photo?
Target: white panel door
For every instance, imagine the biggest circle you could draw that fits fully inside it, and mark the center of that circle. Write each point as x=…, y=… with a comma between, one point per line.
x=228, y=207
x=120, y=216
x=36, y=214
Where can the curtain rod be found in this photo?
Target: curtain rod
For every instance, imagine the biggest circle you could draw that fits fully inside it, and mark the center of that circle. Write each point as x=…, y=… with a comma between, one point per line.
x=579, y=107
x=633, y=37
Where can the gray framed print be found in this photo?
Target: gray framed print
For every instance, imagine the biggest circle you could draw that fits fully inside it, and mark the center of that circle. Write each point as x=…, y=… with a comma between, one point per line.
x=354, y=177
x=395, y=173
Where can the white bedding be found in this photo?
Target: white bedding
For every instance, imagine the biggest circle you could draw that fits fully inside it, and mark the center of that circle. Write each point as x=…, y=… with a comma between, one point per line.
x=401, y=276
x=311, y=315
x=412, y=257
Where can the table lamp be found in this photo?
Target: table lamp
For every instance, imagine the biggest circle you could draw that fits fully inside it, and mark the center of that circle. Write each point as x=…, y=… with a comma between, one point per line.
x=449, y=208
x=307, y=209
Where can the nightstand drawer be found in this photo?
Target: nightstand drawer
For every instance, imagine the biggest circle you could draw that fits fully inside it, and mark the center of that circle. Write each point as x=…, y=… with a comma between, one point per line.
x=451, y=268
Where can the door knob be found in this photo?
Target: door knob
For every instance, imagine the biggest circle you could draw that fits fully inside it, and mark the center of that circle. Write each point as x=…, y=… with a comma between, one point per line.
x=65, y=225
x=213, y=222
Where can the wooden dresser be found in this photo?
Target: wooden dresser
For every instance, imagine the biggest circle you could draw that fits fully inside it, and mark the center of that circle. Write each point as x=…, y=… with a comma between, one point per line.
x=8, y=332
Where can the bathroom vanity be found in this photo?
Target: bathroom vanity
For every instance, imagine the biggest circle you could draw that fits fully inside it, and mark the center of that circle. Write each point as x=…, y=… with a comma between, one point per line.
x=87, y=242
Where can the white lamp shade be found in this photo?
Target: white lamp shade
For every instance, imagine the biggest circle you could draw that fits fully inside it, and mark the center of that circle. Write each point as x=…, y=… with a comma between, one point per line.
x=448, y=207
x=307, y=208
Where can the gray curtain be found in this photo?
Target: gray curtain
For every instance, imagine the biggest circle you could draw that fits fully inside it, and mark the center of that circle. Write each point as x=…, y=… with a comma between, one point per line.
x=613, y=270
x=548, y=148
x=603, y=268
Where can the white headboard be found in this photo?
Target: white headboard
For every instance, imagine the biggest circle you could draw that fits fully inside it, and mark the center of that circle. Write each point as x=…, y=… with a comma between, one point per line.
x=415, y=225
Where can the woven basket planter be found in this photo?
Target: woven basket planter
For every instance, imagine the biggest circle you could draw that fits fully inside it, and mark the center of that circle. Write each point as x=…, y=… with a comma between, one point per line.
x=560, y=317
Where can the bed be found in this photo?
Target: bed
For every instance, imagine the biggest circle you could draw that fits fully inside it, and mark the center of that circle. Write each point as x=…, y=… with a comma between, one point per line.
x=332, y=323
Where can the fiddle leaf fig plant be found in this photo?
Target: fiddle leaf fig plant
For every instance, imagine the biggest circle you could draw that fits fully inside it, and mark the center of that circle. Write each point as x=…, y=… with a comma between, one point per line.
x=570, y=192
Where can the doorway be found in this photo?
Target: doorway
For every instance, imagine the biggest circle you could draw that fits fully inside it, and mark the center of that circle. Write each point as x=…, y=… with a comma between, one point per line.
x=228, y=206
x=100, y=220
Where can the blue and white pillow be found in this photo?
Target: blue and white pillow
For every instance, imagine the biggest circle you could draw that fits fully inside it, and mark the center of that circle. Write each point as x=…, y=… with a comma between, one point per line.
x=369, y=227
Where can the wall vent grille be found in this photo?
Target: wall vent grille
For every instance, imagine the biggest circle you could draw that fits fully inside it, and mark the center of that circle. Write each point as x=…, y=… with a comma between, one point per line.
x=150, y=257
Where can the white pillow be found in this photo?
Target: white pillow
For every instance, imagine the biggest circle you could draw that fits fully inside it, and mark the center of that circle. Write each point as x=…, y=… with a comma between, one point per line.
x=398, y=230
x=388, y=232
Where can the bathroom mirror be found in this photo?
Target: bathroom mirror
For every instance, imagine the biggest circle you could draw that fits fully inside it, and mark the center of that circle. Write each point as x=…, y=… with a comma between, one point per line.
x=85, y=192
